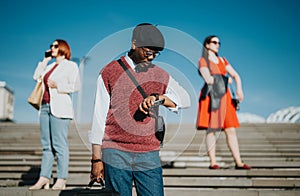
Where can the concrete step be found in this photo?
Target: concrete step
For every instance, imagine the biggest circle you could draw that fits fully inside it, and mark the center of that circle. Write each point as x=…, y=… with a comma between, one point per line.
x=176, y=164
x=169, y=191
x=189, y=172
x=193, y=182
x=240, y=182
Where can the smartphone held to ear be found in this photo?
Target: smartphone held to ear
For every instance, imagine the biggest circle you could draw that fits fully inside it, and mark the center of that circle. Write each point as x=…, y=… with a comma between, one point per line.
x=48, y=53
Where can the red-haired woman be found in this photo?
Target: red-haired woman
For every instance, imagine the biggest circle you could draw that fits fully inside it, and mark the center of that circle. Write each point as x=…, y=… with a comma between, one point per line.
x=60, y=79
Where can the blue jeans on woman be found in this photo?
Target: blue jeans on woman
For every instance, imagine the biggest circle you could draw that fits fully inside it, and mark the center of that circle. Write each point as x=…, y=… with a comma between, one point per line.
x=54, y=140
x=122, y=168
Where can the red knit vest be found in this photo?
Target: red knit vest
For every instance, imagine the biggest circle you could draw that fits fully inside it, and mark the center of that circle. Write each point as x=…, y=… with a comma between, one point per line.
x=126, y=127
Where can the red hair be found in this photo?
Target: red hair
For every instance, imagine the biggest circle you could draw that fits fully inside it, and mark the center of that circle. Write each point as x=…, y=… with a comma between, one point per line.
x=63, y=49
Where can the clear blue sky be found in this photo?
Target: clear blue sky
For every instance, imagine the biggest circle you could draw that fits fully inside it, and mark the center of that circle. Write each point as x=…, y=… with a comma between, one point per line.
x=259, y=38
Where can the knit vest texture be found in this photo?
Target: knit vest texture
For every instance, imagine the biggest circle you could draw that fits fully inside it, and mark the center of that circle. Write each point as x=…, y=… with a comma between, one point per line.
x=127, y=128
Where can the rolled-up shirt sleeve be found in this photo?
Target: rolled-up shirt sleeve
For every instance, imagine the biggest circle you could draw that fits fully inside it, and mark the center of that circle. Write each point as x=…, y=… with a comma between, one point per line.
x=101, y=106
x=178, y=95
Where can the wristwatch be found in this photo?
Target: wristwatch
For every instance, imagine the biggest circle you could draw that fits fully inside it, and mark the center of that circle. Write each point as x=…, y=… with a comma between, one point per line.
x=96, y=160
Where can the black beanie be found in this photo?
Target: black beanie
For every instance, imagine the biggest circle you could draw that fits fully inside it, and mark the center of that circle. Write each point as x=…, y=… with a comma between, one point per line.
x=147, y=35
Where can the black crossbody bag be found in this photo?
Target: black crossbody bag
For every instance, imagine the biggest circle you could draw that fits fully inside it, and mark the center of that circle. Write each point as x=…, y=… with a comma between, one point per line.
x=160, y=128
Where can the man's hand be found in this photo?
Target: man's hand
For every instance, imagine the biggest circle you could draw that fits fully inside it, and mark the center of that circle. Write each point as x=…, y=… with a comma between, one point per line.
x=97, y=171
x=146, y=104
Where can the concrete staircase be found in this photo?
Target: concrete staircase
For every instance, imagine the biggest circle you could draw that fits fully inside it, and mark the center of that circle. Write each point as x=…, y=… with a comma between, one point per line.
x=273, y=151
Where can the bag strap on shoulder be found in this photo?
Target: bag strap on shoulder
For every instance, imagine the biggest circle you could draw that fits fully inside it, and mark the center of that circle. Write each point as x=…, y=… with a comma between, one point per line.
x=140, y=89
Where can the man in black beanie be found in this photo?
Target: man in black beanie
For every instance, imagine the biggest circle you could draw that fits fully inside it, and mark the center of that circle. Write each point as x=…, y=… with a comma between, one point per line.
x=125, y=148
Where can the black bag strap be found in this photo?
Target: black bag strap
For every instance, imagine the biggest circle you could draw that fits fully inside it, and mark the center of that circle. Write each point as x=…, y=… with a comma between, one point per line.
x=132, y=78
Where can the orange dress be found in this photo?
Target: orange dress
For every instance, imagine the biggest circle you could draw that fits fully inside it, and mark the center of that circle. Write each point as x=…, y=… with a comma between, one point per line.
x=225, y=116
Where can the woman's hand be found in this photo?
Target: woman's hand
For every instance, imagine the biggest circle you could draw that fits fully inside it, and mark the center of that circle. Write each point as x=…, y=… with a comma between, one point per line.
x=236, y=77
x=48, y=56
x=240, y=94
x=51, y=84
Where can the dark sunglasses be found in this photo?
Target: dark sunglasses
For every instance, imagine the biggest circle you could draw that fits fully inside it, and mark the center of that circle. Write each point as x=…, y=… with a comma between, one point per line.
x=150, y=53
x=215, y=42
x=55, y=46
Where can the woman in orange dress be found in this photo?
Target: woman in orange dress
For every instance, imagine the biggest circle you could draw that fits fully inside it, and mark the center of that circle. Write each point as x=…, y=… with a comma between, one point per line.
x=224, y=117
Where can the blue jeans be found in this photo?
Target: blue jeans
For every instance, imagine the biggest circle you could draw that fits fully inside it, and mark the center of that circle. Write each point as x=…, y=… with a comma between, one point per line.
x=122, y=168
x=54, y=140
